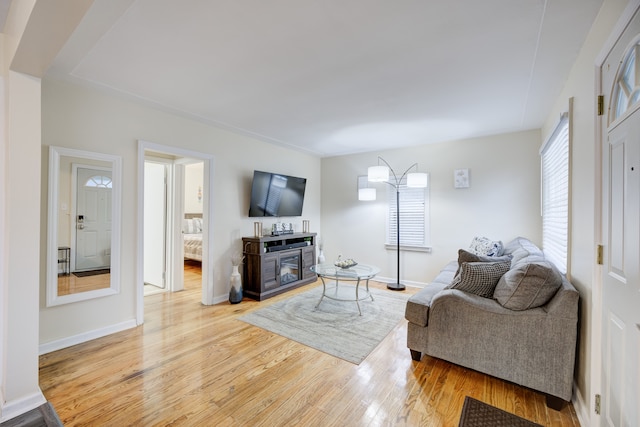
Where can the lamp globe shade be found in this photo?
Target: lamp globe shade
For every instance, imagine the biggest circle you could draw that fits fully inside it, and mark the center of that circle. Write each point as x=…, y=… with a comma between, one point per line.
x=366, y=194
x=417, y=180
x=378, y=173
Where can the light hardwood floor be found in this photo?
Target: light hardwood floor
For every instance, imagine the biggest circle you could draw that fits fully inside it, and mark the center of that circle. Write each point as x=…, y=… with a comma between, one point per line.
x=72, y=285
x=195, y=365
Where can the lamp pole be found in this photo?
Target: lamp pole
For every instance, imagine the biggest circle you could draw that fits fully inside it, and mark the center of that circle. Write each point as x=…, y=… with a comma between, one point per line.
x=397, y=286
x=396, y=184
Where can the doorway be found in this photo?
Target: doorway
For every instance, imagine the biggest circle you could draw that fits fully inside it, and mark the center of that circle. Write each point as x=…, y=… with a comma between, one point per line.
x=175, y=160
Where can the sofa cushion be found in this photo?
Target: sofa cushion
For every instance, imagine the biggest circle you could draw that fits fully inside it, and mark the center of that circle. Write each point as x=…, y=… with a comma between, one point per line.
x=479, y=278
x=466, y=256
x=523, y=250
x=486, y=247
x=528, y=285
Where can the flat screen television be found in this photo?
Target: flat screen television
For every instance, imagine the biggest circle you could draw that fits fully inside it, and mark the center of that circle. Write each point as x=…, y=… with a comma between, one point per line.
x=275, y=194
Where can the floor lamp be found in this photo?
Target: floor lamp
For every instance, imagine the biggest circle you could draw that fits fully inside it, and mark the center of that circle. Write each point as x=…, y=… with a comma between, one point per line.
x=380, y=173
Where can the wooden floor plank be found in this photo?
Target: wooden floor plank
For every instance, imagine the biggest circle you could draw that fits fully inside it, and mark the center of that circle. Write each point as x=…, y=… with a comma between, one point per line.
x=192, y=365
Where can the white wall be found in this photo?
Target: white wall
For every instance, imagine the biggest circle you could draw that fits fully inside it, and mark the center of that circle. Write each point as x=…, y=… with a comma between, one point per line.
x=19, y=226
x=581, y=86
x=77, y=117
x=502, y=202
x=193, y=181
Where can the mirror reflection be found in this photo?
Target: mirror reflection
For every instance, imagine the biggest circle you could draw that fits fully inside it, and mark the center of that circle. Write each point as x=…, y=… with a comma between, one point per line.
x=84, y=192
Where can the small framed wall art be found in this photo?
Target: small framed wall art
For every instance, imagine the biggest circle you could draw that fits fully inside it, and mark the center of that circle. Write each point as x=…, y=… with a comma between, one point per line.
x=461, y=178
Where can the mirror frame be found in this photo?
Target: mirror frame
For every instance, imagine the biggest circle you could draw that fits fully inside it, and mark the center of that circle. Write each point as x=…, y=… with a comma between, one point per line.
x=55, y=153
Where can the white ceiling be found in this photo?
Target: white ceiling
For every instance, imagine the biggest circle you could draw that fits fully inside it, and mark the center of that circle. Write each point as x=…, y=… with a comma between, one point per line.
x=334, y=77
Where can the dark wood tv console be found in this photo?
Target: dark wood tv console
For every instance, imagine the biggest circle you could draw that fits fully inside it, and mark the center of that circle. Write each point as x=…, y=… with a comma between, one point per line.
x=276, y=264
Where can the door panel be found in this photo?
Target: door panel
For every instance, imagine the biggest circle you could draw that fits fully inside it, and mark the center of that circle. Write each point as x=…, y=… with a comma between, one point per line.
x=93, y=219
x=620, y=371
x=155, y=225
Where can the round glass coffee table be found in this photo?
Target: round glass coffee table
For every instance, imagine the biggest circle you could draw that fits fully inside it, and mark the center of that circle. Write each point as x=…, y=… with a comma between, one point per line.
x=358, y=273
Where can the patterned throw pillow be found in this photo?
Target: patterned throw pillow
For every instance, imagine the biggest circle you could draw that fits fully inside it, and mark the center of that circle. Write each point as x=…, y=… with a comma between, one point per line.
x=479, y=278
x=486, y=247
x=466, y=256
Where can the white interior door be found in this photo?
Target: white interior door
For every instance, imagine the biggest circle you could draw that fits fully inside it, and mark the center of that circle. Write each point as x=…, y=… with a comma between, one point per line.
x=620, y=373
x=155, y=223
x=93, y=218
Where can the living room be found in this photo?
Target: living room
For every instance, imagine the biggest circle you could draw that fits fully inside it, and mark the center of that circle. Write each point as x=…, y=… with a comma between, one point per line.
x=502, y=202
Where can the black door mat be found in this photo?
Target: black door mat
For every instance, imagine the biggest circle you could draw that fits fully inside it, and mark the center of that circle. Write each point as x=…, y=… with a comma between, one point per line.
x=479, y=414
x=91, y=272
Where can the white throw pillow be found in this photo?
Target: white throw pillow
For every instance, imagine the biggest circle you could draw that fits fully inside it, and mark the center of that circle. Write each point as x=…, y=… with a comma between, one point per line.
x=486, y=247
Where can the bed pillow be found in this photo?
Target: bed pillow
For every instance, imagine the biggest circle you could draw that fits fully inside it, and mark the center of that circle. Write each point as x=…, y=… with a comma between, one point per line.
x=188, y=227
x=528, y=285
x=486, y=247
x=197, y=225
x=192, y=225
x=466, y=256
x=479, y=278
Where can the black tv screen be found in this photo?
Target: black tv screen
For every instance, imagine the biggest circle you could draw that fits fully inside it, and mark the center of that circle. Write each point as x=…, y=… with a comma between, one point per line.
x=276, y=195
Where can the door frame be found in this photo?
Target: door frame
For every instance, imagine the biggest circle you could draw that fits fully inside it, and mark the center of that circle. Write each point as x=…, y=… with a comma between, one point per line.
x=596, y=290
x=207, y=217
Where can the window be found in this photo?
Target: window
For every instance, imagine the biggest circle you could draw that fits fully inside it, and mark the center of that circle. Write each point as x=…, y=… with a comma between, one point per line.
x=99, y=181
x=627, y=88
x=414, y=208
x=555, y=195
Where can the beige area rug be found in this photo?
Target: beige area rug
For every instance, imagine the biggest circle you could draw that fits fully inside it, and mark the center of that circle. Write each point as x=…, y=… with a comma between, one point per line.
x=334, y=327
x=480, y=414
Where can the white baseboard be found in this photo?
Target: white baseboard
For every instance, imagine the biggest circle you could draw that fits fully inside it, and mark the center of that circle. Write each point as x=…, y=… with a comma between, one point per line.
x=85, y=336
x=413, y=284
x=218, y=300
x=581, y=407
x=12, y=409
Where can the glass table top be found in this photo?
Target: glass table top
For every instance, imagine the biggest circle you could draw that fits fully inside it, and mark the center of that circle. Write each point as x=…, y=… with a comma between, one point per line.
x=359, y=271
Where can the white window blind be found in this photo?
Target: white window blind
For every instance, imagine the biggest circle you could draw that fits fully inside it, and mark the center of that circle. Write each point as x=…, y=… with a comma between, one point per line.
x=555, y=195
x=413, y=218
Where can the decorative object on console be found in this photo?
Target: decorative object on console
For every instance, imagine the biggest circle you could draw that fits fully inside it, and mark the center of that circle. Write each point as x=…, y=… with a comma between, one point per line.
x=321, y=258
x=257, y=229
x=281, y=228
x=235, y=281
x=344, y=263
x=380, y=173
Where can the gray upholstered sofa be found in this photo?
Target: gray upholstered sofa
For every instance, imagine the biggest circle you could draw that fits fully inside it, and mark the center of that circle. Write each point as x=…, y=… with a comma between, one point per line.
x=518, y=334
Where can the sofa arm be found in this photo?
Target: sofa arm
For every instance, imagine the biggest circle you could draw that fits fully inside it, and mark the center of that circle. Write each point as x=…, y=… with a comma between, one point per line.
x=564, y=302
x=531, y=348
x=417, y=308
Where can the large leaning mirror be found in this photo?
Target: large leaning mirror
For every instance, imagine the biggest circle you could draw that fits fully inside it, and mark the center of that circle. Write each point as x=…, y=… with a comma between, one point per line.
x=83, y=240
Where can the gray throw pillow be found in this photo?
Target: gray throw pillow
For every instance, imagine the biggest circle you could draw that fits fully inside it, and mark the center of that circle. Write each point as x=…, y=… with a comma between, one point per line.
x=466, y=256
x=479, y=278
x=528, y=285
